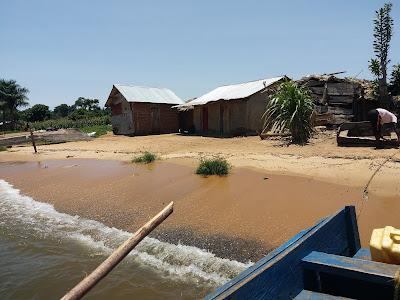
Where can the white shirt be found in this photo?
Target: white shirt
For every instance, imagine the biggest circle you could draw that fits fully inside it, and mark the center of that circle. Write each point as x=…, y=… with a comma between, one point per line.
x=386, y=116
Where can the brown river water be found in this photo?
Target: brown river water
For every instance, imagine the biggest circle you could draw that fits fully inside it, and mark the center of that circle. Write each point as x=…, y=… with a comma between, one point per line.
x=59, y=219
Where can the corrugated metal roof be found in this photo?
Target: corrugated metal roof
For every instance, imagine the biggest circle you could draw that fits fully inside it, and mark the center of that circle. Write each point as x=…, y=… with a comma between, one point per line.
x=234, y=91
x=148, y=94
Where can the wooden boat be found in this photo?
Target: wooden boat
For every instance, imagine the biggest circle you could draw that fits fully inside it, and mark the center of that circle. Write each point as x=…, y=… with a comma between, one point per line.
x=353, y=134
x=324, y=261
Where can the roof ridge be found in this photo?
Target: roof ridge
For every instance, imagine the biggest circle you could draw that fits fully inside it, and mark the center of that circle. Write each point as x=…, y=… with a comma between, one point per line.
x=141, y=86
x=251, y=81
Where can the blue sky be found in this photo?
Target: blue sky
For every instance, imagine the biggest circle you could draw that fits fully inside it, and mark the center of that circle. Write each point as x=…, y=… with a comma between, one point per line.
x=62, y=50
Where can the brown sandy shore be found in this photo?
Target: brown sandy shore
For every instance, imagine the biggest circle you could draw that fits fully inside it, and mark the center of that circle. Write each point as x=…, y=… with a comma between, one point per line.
x=241, y=216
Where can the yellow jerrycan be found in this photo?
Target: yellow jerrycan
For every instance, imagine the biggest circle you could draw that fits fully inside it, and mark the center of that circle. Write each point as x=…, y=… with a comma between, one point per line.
x=385, y=245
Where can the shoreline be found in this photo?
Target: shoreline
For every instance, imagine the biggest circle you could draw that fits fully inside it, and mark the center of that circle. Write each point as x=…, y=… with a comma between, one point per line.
x=242, y=211
x=349, y=171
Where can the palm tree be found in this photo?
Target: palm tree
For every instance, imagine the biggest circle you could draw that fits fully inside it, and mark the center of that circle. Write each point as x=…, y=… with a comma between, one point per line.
x=12, y=96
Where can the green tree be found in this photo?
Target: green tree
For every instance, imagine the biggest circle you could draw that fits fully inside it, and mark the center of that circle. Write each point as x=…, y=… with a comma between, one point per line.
x=37, y=113
x=395, y=80
x=87, y=104
x=291, y=108
x=79, y=114
x=383, y=24
x=62, y=110
x=12, y=97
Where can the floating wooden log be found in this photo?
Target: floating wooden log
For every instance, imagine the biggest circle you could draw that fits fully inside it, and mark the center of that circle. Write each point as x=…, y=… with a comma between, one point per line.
x=117, y=256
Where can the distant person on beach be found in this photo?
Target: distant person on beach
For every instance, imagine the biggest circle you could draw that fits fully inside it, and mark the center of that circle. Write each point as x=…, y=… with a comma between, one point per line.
x=381, y=116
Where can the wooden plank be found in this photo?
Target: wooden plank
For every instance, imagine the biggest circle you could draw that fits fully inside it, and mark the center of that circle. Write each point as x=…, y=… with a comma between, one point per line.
x=335, y=89
x=363, y=253
x=279, y=275
x=309, y=295
x=340, y=110
x=363, y=270
x=340, y=100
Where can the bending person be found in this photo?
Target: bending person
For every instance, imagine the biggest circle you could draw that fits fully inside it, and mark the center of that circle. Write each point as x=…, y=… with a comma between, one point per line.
x=381, y=116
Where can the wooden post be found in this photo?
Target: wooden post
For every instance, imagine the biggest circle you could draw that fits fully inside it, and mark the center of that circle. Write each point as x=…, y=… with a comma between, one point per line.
x=117, y=256
x=33, y=139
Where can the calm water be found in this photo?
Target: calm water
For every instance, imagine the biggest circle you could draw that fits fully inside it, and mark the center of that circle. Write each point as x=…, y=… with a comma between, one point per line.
x=43, y=253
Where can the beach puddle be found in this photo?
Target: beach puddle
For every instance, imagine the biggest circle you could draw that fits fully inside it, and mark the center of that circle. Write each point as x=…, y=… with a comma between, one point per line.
x=236, y=219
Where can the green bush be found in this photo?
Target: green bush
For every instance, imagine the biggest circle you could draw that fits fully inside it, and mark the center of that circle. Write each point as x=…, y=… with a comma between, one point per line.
x=213, y=166
x=2, y=148
x=69, y=123
x=145, y=158
x=291, y=108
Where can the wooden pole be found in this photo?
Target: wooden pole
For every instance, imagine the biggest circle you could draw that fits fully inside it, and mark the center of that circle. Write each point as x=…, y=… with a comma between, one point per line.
x=33, y=139
x=117, y=256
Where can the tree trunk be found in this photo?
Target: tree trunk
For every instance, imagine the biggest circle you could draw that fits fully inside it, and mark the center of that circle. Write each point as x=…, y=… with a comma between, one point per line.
x=383, y=88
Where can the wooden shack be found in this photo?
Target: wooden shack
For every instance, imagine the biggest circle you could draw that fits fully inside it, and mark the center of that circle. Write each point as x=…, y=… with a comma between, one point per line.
x=339, y=100
x=138, y=110
x=231, y=110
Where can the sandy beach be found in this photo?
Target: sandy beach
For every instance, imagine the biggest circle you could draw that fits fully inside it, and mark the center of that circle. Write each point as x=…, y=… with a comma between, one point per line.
x=321, y=159
x=273, y=192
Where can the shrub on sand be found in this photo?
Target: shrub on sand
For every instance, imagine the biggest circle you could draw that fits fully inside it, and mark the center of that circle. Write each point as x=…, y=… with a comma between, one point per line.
x=291, y=108
x=213, y=166
x=2, y=148
x=145, y=158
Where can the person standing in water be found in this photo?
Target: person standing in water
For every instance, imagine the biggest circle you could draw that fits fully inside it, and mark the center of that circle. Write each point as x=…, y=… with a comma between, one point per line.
x=381, y=116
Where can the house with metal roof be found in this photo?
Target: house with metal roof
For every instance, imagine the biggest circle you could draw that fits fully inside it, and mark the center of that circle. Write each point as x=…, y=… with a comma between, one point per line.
x=230, y=110
x=138, y=110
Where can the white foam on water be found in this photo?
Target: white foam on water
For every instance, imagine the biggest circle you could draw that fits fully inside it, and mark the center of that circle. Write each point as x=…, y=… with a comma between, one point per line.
x=180, y=261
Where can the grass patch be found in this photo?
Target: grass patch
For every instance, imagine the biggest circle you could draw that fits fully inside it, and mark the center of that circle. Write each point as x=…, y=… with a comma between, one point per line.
x=3, y=148
x=99, y=129
x=145, y=158
x=213, y=166
x=68, y=123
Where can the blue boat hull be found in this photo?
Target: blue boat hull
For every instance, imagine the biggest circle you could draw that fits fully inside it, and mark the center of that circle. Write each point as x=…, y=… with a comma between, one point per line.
x=311, y=264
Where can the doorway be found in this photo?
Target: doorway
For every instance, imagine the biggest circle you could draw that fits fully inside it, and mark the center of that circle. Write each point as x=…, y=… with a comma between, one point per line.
x=221, y=120
x=205, y=119
x=155, y=119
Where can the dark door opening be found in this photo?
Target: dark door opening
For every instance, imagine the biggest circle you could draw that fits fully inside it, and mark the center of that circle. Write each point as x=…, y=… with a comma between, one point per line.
x=221, y=120
x=205, y=119
x=155, y=119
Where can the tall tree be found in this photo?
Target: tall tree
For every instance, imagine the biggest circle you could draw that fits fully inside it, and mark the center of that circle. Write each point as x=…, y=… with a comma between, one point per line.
x=87, y=104
x=37, y=113
x=13, y=96
x=383, y=24
x=62, y=110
